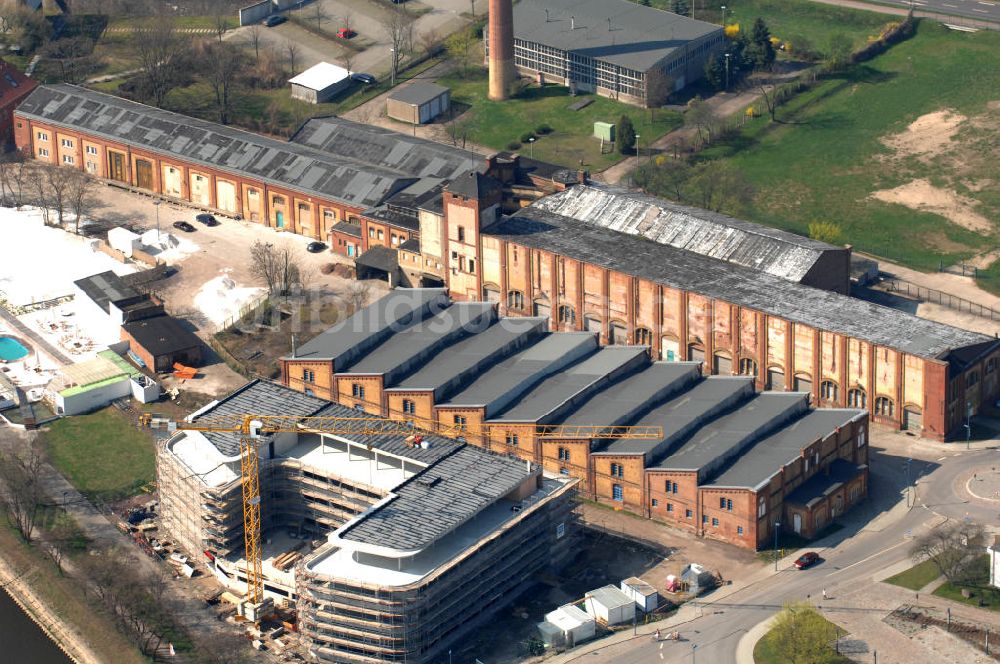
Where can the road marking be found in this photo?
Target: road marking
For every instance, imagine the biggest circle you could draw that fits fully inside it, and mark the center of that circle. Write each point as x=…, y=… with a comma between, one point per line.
x=661, y=655
x=942, y=458
x=661, y=646
x=864, y=560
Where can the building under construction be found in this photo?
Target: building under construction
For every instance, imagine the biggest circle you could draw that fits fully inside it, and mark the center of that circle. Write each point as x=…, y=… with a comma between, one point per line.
x=390, y=547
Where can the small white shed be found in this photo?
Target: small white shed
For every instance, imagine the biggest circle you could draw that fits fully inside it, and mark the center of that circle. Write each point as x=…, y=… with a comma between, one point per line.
x=610, y=605
x=568, y=625
x=124, y=240
x=643, y=594
x=320, y=83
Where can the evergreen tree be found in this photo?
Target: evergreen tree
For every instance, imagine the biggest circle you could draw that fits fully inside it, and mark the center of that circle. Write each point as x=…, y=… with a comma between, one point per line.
x=626, y=135
x=682, y=7
x=760, y=50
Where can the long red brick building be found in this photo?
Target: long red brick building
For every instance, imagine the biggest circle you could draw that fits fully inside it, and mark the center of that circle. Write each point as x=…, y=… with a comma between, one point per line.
x=688, y=284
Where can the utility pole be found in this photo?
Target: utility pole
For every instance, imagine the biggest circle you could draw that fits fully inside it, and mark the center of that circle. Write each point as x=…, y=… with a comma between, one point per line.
x=156, y=206
x=777, y=525
x=907, y=467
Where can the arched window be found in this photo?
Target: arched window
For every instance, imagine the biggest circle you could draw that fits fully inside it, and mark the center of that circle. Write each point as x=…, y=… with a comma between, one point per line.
x=885, y=407
x=857, y=398
x=828, y=391
x=515, y=300
x=567, y=315
x=643, y=337
x=748, y=367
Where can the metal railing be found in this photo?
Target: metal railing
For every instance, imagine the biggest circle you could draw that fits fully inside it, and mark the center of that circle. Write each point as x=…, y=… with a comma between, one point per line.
x=940, y=297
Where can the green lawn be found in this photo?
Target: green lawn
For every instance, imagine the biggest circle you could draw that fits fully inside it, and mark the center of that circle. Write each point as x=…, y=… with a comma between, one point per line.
x=496, y=124
x=983, y=595
x=180, y=22
x=791, y=20
x=824, y=158
x=767, y=651
x=102, y=454
x=916, y=577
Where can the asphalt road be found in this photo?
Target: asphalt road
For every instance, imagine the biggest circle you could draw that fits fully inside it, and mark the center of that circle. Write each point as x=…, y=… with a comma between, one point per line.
x=713, y=637
x=987, y=10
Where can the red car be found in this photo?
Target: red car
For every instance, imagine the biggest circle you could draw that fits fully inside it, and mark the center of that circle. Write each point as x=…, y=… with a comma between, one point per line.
x=807, y=559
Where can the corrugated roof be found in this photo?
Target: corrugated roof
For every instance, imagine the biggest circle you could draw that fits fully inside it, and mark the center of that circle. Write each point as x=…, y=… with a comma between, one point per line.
x=320, y=76
x=623, y=401
x=416, y=157
x=329, y=175
x=708, y=233
x=418, y=93
x=623, y=33
x=686, y=270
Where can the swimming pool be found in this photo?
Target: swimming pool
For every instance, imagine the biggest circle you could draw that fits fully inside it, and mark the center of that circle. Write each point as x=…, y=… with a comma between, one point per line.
x=11, y=349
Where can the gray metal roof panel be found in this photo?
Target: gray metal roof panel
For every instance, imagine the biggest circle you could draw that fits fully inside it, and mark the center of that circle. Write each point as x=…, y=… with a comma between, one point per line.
x=416, y=157
x=469, y=357
x=438, y=500
x=335, y=176
x=774, y=251
x=620, y=402
x=769, y=455
x=572, y=383
x=721, y=439
x=683, y=414
x=610, y=597
x=424, y=339
x=678, y=268
x=819, y=485
x=623, y=33
x=395, y=311
x=418, y=93
x=512, y=377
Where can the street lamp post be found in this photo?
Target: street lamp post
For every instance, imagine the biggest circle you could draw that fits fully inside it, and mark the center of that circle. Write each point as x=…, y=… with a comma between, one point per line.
x=392, y=65
x=907, y=467
x=777, y=525
x=727, y=72
x=723, y=15
x=637, y=137
x=531, y=147
x=156, y=206
x=694, y=649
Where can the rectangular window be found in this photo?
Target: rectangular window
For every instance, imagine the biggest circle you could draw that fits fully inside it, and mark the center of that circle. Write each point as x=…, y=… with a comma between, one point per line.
x=688, y=514
x=371, y=233
x=512, y=440
x=381, y=235
x=656, y=503
x=563, y=454
x=715, y=522
x=93, y=150
x=729, y=505
x=308, y=375
x=722, y=503
x=66, y=143
x=704, y=518
x=616, y=492
x=670, y=507
x=409, y=407
x=472, y=266
x=459, y=421
x=461, y=234
x=357, y=391
x=42, y=136
x=617, y=470
x=68, y=159
x=739, y=530
x=43, y=152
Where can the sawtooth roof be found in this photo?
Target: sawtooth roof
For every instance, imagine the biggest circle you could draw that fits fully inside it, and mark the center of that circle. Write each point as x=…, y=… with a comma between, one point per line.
x=539, y=228
x=637, y=38
x=339, y=176
x=770, y=250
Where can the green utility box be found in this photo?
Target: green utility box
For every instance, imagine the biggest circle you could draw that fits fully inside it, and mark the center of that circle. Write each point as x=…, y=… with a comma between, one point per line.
x=604, y=131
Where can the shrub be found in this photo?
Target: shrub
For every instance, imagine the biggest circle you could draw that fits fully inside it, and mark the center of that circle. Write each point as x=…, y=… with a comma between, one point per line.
x=327, y=268
x=527, y=136
x=543, y=129
x=513, y=145
x=825, y=231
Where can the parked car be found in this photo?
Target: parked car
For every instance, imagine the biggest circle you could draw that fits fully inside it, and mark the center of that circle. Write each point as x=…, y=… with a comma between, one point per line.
x=361, y=77
x=184, y=226
x=273, y=20
x=807, y=559
x=315, y=247
x=345, y=33
x=207, y=219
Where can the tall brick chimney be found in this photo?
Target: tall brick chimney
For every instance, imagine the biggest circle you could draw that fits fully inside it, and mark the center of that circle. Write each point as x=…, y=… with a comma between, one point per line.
x=501, y=43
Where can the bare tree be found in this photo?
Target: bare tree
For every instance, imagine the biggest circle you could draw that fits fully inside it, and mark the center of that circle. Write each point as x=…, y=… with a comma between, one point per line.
x=319, y=15
x=659, y=86
x=221, y=65
x=21, y=494
x=275, y=268
x=220, y=20
x=761, y=81
x=160, y=49
x=253, y=37
x=292, y=53
x=357, y=294
x=430, y=43
x=81, y=188
x=59, y=179
x=38, y=182
x=460, y=46
x=62, y=537
x=952, y=547
x=347, y=60
x=701, y=116
x=398, y=28
x=12, y=169
x=718, y=186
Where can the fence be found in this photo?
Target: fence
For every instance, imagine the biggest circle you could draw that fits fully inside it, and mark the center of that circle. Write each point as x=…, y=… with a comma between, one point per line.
x=940, y=297
x=250, y=307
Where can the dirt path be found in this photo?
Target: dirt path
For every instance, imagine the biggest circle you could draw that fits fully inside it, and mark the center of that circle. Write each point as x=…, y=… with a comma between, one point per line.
x=964, y=287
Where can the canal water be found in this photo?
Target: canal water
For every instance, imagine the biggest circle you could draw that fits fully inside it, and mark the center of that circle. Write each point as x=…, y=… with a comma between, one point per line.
x=21, y=640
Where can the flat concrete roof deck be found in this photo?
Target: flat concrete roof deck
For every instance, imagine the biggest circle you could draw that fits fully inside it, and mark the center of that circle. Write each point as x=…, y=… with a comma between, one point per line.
x=755, y=467
x=545, y=400
x=724, y=437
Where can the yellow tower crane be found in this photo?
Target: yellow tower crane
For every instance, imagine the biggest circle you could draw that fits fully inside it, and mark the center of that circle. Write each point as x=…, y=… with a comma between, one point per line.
x=251, y=428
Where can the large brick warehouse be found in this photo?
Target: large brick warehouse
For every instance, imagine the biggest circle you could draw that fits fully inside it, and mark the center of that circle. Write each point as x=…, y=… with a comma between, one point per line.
x=690, y=285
